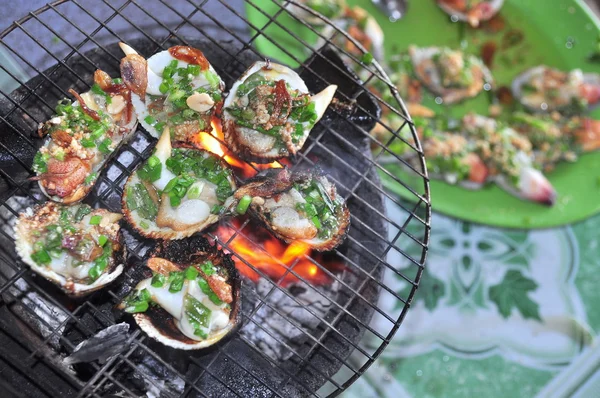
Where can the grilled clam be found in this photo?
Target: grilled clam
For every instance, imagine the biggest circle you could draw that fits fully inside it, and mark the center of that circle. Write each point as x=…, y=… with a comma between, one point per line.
x=177, y=191
x=75, y=247
x=545, y=89
x=194, y=292
x=269, y=112
x=177, y=88
x=83, y=135
x=300, y=206
x=509, y=158
x=471, y=11
x=451, y=74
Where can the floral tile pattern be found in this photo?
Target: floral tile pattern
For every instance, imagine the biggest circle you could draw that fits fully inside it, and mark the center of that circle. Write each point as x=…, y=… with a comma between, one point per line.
x=498, y=312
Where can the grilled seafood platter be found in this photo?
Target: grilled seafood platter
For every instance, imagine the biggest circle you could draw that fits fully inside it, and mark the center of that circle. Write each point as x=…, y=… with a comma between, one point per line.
x=471, y=11
x=75, y=247
x=177, y=88
x=451, y=74
x=269, y=112
x=296, y=206
x=82, y=137
x=545, y=89
x=190, y=298
x=176, y=192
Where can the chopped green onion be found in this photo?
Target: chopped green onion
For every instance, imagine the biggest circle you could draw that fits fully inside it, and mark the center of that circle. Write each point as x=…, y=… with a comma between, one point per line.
x=144, y=224
x=158, y=280
x=208, y=268
x=194, y=192
x=88, y=143
x=243, y=204
x=89, y=179
x=102, y=239
x=193, y=70
x=150, y=120
x=176, y=279
x=104, y=146
x=95, y=220
x=82, y=212
x=317, y=222
x=367, y=58
x=191, y=273
x=41, y=257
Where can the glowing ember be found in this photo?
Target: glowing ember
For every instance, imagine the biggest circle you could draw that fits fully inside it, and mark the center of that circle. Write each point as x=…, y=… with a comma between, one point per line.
x=212, y=143
x=273, y=257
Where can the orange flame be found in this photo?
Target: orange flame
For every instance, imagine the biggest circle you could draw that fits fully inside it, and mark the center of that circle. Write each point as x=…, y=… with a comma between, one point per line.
x=266, y=254
x=212, y=143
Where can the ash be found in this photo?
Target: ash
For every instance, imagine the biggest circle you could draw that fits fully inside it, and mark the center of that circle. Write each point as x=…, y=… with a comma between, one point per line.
x=277, y=336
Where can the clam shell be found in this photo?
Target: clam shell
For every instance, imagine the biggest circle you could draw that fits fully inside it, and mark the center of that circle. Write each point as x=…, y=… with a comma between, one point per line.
x=239, y=139
x=449, y=95
x=160, y=325
x=272, y=183
x=83, y=190
x=523, y=78
x=141, y=108
x=72, y=288
x=155, y=232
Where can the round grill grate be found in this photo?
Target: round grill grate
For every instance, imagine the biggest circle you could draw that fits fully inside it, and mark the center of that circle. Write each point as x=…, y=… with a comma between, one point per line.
x=308, y=337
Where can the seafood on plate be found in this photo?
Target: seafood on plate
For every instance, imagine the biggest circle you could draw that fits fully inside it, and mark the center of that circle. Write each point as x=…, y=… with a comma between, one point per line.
x=177, y=88
x=331, y=9
x=450, y=74
x=269, y=113
x=177, y=191
x=555, y=138
x=545, y=89
x=509, y=158
x=82, y=137
x=363, y=28
x=478, y=150
x=471, y=11
x=75, y=247
x=190, y=296
x=296, y=206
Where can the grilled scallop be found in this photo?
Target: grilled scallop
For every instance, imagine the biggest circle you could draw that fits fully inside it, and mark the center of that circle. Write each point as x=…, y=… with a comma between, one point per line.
x=177, y=88
x=301, y=206
x=544, y=89
x=83, y=135
x=75, y=247
x=269, y=113
x=472, y=11
x=194, y=290
x=451, y=74
x=176, y=192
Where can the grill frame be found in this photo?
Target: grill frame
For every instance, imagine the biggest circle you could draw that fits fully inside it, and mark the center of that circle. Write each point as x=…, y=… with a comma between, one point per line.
x=103, y=373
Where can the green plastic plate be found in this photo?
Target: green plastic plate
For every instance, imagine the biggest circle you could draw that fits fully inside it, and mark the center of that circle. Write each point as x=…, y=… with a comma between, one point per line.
x=557, y=33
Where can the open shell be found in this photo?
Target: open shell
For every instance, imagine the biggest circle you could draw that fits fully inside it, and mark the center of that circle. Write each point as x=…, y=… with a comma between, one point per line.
x=70, y=180
x=34, y=221
x=428, y=74
x=572, y=89
x=278, y=185
x=145, y=78
x=159, y=324
x=478, y=14
x=253, y=146
x=173, y=224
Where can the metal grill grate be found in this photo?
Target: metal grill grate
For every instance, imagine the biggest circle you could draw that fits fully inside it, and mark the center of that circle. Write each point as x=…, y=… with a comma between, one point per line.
x=59, y=46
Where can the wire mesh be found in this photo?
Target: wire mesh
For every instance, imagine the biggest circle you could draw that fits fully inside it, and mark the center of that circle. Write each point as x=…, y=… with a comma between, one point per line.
x=62, y=43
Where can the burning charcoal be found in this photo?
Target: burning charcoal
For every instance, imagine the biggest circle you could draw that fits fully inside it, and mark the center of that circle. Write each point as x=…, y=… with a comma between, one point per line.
x=102, y=346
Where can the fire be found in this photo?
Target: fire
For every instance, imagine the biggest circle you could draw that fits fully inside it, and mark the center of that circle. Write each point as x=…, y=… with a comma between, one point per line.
x=264, y=252
x=212, y=143
x=273, y=258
